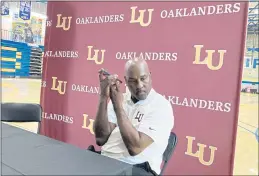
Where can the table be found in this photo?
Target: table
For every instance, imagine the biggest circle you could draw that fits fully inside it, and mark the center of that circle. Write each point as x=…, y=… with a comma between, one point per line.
x=27, y=153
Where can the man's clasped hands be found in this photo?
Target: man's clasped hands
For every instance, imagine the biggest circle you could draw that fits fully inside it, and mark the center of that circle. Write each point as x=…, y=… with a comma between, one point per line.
x=110, y=88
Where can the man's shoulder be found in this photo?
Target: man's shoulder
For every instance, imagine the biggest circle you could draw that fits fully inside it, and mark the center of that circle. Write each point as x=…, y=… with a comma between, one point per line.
x=161, y=100
x=163, y=107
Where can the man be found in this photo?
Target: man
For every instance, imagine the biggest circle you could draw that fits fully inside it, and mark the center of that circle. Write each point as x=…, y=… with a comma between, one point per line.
x=133, y=128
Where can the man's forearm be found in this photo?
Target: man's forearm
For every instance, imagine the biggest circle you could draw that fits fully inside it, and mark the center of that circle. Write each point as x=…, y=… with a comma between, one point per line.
x=130, y=135
x=101, y=123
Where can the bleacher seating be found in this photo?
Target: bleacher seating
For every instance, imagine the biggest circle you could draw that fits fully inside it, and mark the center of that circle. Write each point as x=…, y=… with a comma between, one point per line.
x=16, y=59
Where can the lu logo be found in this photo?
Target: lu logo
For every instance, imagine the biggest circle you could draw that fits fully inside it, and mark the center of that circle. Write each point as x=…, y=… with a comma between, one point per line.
x=95, y=56
x=59, y=86
x=64, y=22
x=200, y=153
x=209, y=58
x=139, y=116
x=90, y=126
x=140, y=19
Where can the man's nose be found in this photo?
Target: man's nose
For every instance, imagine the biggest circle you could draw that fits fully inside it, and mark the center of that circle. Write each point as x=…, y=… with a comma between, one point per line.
x=139, y=85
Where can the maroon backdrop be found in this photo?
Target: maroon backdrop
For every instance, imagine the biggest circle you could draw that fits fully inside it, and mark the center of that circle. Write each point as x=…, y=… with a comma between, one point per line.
x=194, y=50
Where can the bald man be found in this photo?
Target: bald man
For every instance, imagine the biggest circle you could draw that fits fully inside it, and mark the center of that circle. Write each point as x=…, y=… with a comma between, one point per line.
x=133, y=128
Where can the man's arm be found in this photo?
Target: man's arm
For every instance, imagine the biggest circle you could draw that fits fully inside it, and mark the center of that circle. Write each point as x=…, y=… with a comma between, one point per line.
x=102, y=127
x=135, y=141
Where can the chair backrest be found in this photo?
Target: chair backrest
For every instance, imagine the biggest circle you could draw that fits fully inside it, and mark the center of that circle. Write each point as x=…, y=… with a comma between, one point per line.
x=172, y=141
x=21, y=112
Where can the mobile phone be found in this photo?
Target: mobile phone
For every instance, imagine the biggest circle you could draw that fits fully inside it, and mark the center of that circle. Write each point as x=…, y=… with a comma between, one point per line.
x=107, y=74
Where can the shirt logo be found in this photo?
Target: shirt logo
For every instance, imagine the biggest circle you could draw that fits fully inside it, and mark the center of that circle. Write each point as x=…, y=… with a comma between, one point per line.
x=152, y=129
x=139, y=116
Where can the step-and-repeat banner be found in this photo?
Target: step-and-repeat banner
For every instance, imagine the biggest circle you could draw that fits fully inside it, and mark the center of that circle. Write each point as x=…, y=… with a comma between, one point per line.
x=194, y=50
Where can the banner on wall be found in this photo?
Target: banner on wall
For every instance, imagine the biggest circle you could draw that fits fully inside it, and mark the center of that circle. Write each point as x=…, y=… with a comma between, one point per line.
x=194, y=50
x=36, y=26
x=5, y=9
x=29, y=31
x=25, y=10
x=22, y=31
x=18, y=26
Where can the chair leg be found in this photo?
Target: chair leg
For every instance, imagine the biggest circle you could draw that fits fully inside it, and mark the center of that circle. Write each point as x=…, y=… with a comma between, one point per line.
x=39, y=127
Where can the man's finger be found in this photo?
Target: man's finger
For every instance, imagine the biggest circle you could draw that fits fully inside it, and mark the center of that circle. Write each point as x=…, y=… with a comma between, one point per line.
x=117, y=85
x=113, y=87
x=112, y=90
x=101, y=74
x=112, y=79
x=101, y=70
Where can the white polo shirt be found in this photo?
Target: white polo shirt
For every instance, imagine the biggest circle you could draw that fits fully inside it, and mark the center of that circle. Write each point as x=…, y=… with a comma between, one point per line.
x=152, y=116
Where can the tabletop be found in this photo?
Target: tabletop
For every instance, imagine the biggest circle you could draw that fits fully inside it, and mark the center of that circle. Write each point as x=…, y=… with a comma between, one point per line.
x=27, y=153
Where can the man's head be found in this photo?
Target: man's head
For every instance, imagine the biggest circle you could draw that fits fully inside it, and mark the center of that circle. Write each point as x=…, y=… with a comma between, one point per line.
x=138, y=78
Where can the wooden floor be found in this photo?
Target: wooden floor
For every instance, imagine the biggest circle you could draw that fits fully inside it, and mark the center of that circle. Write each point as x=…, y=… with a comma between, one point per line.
x=246, y=157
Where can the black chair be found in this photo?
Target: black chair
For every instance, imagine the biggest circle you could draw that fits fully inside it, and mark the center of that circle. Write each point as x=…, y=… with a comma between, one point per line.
x=172, y=141
x=92, y=149
x=21, y=112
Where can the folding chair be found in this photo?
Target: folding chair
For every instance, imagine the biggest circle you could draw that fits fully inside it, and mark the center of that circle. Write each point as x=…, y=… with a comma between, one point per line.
x=21, y=112
x=172, y=141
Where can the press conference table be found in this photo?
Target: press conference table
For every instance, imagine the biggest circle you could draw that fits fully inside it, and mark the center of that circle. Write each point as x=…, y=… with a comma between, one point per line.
x=27, y=153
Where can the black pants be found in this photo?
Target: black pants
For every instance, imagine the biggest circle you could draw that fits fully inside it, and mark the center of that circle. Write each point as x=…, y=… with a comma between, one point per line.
x=142, y=169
